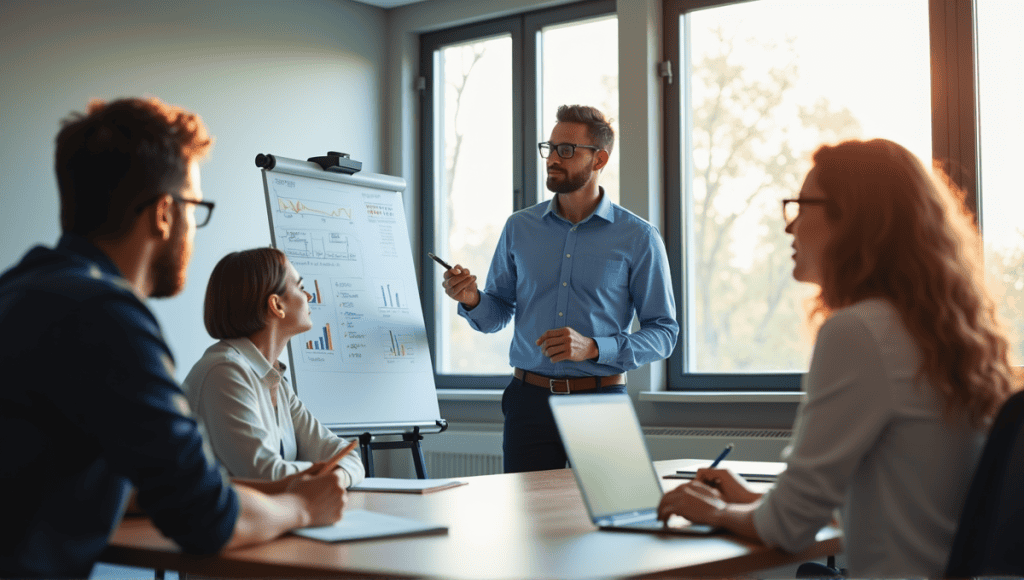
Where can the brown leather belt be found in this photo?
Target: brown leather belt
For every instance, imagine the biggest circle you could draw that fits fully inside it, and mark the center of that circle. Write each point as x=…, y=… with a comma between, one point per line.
x=564, y=386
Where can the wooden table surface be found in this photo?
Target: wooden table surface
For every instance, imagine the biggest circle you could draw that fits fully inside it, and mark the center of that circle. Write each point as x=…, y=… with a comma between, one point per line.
x=531, y=525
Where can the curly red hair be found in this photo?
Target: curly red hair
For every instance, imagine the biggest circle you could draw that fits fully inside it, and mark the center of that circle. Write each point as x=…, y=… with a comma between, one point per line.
x=903, y=233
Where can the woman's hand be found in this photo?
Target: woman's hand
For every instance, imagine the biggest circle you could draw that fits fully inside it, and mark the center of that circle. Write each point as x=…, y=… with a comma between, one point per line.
x=695, y=501
x=323, y=496
x=733, y=488
x=730, y=505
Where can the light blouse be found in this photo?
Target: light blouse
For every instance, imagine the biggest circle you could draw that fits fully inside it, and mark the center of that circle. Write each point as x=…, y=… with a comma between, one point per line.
x=870, y=438
x=229, y=390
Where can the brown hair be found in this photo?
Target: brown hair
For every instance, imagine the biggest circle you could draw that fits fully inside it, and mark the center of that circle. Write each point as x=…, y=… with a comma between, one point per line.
x=118, y=155
x=901, y=233
x=239, y=287
x=599, y=128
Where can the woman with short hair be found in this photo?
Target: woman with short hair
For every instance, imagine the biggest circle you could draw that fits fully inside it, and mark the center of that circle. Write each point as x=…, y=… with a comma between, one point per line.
x=909, y=366
x=257, y=426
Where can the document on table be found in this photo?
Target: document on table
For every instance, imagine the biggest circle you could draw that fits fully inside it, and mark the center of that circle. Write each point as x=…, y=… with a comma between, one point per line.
x=366, y=525
x=397, y=485
x=763, y=471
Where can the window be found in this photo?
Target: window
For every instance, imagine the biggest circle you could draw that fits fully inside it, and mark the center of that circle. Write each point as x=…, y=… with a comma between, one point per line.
x=1001, y=117
x=580, y=65
x=760, y=85
x=491, y=91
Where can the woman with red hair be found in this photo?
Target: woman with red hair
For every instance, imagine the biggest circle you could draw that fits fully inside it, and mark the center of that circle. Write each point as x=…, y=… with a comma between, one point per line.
x=909, y=366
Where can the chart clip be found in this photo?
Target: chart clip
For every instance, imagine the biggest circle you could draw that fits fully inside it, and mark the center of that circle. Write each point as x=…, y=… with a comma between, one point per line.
x=337, y=162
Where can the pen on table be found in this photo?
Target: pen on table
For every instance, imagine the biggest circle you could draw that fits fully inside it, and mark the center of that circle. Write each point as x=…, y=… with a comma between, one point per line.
x=332, y=462
x=439, y=261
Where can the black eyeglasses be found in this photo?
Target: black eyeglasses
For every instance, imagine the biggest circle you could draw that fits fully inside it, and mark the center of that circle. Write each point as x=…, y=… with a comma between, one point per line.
x=204, y=209
x=791, y=207
x=564, y=150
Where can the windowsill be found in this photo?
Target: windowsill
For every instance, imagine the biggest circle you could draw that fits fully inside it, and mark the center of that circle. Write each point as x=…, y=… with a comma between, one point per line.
x=494, y=395
x=485, y=395
x=720, y=397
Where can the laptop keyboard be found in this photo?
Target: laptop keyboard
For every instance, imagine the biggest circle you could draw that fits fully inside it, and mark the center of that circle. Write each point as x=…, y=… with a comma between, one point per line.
x=647, y=524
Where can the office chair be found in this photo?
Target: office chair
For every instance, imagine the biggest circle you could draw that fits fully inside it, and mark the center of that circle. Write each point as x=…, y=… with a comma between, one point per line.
x=989, y=539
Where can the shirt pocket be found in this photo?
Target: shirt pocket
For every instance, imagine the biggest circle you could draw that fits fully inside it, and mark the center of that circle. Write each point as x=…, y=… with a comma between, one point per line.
x=601, y=277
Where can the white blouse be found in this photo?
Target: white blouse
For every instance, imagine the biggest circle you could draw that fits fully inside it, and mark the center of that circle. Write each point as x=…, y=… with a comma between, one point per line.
x=229, y=390
x=870, y=438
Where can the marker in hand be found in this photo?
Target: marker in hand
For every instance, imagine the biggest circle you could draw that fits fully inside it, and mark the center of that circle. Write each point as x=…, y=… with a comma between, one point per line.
x=333, y=462
x=439, y=261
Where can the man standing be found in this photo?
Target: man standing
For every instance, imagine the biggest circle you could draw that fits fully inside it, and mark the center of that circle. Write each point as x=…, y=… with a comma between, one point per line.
x=89, y=408
x=571, y=272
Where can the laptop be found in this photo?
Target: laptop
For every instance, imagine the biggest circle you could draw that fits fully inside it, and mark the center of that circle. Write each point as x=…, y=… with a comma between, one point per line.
x=611, y=464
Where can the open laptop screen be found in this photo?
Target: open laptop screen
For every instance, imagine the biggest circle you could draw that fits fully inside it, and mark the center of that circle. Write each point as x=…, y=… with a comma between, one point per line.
x=606, y=448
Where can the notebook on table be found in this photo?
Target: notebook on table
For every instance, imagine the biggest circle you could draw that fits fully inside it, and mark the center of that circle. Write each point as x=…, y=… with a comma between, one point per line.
x=358, y=524
x=395, y=485
x=613, y=469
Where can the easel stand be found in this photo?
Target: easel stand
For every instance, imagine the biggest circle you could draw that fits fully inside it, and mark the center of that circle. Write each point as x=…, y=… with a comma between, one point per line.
x=409, y=441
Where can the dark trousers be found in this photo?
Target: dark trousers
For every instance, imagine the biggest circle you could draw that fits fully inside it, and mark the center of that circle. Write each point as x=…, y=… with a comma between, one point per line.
x=531, y=437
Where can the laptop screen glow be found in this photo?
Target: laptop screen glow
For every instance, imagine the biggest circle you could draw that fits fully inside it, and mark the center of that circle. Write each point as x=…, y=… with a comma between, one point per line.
x=606, y=448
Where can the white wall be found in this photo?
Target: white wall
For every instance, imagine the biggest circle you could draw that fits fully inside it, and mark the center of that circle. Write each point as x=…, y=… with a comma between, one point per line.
x=285, y=77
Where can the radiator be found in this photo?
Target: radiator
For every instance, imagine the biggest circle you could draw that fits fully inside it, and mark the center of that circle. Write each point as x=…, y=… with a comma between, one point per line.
x=475, y=449
x=467, y=450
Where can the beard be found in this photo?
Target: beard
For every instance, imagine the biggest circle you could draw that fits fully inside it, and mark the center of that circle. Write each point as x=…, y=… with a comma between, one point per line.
x=567, y=183
x=170, y=265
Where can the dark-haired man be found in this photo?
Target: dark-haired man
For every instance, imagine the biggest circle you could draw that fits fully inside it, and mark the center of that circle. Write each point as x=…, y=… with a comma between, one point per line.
x=89, y=407
x=572, y=272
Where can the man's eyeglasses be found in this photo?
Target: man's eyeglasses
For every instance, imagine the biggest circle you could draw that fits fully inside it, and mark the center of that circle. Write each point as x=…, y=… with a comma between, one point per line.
x=204, y=209
x=791, y=207
x=564, y=150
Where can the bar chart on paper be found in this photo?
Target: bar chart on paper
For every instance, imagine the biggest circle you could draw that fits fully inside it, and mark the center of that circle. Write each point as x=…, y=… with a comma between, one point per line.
x=317, y=298
x=392, y=295
x=322, y=342
x=399, y=344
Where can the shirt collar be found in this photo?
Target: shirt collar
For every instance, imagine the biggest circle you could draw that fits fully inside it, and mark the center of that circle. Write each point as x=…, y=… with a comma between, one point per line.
x=603, y=209
x=76, y=244
x=253, y=357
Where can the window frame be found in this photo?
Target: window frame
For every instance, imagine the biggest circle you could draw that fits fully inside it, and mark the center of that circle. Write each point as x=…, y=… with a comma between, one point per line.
x=524, y=30
x=953, y=74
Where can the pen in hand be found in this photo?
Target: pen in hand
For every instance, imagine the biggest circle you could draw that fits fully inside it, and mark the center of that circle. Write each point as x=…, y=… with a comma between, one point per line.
x=721, y=456
x=333, y=462
x=715, y=482
x=439, y=261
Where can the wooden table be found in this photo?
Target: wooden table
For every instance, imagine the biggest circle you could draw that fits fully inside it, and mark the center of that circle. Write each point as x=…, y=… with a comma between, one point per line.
x=531, y=525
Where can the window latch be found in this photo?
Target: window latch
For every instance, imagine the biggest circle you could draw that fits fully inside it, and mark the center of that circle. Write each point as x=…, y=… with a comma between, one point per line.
x=665, y=70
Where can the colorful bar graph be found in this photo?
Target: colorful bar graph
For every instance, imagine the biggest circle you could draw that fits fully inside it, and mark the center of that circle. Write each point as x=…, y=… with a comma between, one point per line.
x=324, y=342
x=397, y=346
x=317, y=298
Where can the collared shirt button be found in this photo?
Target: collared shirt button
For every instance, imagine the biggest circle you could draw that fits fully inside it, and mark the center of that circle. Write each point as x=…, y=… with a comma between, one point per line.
x=559, y=313
x=565, y=283
x=568, y=255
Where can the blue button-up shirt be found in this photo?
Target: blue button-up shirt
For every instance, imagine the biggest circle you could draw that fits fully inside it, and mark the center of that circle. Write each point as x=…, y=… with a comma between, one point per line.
x=592, y=276
x=89, y=408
